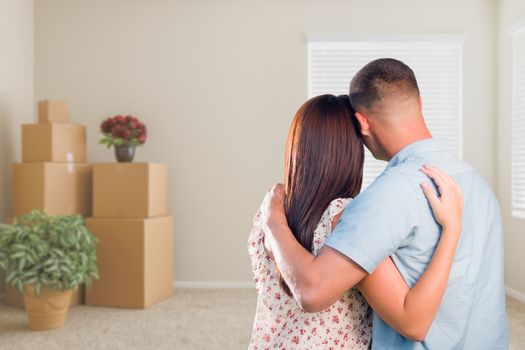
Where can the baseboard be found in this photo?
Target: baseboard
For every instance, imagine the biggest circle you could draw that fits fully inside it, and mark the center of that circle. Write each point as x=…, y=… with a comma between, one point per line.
x=515, y=294
x=212, y=285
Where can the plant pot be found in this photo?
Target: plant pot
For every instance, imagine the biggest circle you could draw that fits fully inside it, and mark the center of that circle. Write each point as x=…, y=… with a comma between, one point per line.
x=49, y=310
x=124, y=153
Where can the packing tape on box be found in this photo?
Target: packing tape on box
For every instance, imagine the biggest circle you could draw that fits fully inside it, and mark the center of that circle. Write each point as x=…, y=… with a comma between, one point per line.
x=70, y=157
x=70, y=168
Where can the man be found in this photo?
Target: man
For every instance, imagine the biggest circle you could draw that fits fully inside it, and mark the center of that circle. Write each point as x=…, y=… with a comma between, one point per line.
x=392, y=218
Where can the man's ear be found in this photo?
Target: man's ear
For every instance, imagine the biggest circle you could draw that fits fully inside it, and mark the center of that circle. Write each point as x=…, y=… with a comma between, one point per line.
x=363, y=123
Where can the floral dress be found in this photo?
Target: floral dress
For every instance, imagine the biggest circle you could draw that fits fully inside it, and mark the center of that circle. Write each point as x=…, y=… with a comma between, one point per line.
x=280, y=323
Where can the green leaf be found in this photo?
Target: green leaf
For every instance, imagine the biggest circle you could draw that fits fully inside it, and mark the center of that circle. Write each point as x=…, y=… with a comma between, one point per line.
x=51, y=268
x=19, y=286
x=17, y=255
x=38, y=288
x=66, y=269
x=29, y=273
x=19, y=247
x=31, y=258
x=21, y=264
x=54, y=251
x=58, y=251
x=31, y=280
x=119, y=141
x=11, y=276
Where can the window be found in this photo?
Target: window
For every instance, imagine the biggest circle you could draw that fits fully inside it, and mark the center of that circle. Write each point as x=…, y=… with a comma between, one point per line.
x=436, y=61
x=518, y=125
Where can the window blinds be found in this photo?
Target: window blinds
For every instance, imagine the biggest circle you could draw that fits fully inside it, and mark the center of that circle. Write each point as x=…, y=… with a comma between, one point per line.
x=518, y=126
x=436, y=62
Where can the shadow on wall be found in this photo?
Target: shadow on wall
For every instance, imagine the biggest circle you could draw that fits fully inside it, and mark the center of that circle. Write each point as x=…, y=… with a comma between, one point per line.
x=6, y=159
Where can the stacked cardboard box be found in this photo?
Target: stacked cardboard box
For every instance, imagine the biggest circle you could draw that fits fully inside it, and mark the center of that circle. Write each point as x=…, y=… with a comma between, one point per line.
x=53, y=175
x=135, y=232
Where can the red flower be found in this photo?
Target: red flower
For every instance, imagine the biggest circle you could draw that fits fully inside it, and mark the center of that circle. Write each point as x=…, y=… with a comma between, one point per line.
x=128, y=128
x=106, y=125
x=121, y=132
x=130, y=118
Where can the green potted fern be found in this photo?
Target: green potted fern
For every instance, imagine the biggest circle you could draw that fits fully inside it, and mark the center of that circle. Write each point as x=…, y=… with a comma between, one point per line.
x=46, y=258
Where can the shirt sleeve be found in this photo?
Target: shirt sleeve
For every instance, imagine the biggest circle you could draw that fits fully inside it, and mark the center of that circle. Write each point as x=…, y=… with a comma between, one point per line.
x=378, y=221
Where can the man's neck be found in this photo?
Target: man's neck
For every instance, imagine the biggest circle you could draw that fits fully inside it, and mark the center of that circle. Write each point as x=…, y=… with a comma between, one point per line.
x=409, y=137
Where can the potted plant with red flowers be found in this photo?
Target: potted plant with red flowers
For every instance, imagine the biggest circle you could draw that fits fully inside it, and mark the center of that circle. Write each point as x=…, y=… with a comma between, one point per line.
x=124, y=133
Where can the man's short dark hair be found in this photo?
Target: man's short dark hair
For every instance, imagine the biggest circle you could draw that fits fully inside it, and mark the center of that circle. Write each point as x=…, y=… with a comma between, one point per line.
x=381, y=80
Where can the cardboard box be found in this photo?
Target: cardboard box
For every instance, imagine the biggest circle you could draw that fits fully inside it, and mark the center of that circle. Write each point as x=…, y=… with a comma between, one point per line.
x=135, y=262
x=53, y=112
x=129, y=190
x=53, y=142
x=14, y=298
x=57, y=188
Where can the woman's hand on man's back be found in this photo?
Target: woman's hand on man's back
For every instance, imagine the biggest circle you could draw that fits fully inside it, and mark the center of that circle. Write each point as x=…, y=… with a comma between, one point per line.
x=447, y=208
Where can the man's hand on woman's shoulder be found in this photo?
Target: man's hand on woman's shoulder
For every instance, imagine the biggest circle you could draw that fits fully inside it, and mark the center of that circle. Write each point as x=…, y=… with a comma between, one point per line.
x=272, y=209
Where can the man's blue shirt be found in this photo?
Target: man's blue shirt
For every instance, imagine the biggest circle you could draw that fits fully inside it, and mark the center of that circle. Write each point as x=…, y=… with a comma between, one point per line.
x=393, y=218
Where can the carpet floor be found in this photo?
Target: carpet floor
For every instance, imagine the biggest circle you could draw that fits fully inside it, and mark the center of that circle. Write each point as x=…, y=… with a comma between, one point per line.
x=190, y=320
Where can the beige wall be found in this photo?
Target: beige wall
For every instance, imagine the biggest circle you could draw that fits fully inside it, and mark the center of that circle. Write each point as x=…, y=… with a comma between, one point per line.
x=218, y=82
x=16, y=88
x=511, y=12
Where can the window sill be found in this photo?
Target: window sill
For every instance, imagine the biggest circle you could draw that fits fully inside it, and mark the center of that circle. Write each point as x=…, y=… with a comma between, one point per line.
x=520, y=214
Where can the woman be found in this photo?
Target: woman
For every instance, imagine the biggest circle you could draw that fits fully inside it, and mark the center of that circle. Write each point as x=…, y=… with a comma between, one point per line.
x=323, y=171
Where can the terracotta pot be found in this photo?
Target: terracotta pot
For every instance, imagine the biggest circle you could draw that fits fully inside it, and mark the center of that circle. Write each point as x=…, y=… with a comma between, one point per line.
x=124, y=153
x=49, y=310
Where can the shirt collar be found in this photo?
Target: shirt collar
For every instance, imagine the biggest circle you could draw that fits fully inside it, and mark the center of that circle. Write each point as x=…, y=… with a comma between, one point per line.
x=426, y=145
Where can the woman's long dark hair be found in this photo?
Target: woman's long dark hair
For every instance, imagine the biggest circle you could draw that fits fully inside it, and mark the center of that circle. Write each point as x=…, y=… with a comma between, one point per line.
x=324, y=161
